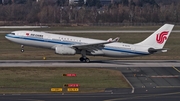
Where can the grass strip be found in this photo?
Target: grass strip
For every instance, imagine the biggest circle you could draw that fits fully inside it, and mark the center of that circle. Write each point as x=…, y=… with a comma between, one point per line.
x=41, y=80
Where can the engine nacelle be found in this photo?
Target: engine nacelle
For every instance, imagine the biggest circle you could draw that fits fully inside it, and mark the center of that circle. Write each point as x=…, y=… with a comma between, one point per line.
x=65, y=50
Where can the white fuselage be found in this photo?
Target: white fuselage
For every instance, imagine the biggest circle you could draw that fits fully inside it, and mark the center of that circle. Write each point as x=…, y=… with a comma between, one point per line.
x=48, y=40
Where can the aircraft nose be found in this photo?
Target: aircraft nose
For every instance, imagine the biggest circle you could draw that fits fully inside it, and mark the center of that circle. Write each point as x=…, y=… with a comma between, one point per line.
x=7, y=36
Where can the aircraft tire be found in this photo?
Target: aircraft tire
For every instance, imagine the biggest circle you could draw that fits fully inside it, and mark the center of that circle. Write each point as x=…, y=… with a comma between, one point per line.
x=87, y=60
x=22, y=50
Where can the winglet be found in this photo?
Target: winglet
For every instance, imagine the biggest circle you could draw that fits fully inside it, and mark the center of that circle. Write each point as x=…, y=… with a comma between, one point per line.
x=113, y=40
x=116, y=39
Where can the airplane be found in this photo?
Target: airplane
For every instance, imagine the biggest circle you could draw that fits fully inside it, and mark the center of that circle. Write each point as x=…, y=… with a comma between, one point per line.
x=71, y=45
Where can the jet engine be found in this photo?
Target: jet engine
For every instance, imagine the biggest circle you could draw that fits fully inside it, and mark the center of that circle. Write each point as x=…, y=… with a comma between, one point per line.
x=65, y=50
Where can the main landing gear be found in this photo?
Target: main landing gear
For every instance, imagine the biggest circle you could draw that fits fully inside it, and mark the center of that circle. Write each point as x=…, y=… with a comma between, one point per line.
x=22, y=48
x=84, y=58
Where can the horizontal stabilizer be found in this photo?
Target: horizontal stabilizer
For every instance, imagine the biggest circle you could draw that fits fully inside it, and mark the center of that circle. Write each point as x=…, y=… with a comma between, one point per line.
x=152, y=50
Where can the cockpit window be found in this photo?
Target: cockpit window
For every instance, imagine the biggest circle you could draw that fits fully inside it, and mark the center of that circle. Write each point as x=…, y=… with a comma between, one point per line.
x=13, y=33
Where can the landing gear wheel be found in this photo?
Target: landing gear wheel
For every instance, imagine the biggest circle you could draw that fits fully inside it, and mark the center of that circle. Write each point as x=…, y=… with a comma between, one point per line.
x=84, y=59
x=81, y=59
x=87, y=60
x=22, y=50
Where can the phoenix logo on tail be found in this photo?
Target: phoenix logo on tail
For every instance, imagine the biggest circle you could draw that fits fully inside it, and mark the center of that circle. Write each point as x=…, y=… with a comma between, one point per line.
x=160, y=38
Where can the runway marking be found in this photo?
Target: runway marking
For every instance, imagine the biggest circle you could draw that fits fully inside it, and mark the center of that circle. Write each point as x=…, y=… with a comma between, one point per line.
x=138, y=97
x=176, y=69
x=167, y=86
x=31, y=100
x=165, y=76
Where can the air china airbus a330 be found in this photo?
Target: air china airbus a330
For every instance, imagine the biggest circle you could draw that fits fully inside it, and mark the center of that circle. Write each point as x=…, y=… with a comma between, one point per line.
x=70, y=45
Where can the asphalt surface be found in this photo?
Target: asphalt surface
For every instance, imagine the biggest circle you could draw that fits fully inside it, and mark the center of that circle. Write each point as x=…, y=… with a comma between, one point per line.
x=152, y=80
x=159, y=77
x=91, y=97
x=103, y=63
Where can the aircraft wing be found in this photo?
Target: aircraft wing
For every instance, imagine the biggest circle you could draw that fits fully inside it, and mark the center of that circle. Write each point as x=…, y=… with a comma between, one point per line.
x=95, y=46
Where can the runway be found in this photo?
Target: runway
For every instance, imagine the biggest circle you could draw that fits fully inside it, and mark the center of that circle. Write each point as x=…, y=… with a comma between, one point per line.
x=77, y=63
x=91, y=97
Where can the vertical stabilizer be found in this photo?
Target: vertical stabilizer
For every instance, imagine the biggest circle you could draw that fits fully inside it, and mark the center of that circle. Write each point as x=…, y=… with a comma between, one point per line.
x=158, y=39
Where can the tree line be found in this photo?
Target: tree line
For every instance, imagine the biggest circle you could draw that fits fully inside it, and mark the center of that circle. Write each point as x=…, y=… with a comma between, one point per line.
x=126, y=11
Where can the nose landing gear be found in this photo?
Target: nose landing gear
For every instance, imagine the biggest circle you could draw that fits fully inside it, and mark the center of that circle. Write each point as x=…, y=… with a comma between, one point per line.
x=22, y=48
